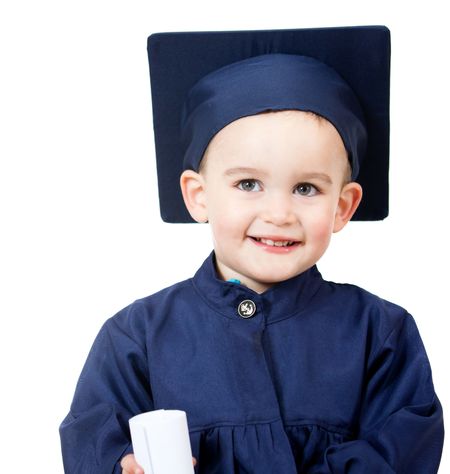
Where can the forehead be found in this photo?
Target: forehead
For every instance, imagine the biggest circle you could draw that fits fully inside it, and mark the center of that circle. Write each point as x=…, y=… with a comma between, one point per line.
x=289, y=137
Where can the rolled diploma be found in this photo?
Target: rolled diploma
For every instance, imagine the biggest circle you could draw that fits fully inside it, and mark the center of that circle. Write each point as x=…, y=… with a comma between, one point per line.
x=161, y=442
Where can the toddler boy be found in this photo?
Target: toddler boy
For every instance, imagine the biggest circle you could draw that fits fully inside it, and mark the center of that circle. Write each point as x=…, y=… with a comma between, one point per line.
x=278, y=370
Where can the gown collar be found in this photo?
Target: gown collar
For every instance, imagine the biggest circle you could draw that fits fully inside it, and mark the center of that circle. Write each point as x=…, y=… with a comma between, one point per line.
x=281, y=301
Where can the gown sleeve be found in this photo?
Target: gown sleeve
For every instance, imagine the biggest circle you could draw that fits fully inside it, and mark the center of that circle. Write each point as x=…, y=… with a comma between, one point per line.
x=113, y=387
x=401, y=426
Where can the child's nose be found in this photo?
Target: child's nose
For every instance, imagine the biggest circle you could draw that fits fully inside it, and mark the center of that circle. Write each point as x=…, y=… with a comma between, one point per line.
x=278, y=210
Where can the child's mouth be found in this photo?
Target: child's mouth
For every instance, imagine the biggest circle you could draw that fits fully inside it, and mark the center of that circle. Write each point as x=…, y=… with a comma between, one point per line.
x=275, y=243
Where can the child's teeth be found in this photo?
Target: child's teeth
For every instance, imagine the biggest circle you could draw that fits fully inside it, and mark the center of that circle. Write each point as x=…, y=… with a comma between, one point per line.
x=278, y=243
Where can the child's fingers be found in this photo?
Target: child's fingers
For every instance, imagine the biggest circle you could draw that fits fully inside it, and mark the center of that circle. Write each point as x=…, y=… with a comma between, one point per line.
x=130, y=466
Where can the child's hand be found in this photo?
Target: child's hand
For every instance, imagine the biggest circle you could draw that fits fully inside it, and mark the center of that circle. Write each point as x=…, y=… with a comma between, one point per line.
x=130, y=466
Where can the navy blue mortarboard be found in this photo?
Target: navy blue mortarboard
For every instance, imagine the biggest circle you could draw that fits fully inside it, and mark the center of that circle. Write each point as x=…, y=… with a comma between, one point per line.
x=202, y=81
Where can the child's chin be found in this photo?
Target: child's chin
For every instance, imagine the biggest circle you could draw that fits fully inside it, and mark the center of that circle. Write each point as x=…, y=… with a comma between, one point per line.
x=277, y=275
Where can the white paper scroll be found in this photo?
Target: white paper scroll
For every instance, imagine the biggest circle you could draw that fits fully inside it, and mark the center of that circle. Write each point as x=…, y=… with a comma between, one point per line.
x=161, y=442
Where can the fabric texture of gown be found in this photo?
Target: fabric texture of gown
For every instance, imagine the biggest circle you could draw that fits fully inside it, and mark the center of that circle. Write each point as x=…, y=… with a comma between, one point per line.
x=322, y=378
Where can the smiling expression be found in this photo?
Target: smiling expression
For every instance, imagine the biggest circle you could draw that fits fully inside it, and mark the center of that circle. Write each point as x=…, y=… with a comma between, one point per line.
x=273, y=189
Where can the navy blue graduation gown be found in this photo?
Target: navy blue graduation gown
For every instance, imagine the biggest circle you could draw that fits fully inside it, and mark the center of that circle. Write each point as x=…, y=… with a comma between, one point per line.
x=322, y=378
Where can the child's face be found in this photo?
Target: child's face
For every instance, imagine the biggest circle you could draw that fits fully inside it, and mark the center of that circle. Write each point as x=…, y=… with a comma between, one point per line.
x=273, y=190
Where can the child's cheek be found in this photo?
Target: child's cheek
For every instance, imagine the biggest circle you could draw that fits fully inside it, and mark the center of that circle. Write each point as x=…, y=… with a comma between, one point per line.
x=224, y=222
x=321, y=230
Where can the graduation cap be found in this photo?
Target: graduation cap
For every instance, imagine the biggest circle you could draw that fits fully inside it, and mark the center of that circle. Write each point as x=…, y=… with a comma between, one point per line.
x=202, y=81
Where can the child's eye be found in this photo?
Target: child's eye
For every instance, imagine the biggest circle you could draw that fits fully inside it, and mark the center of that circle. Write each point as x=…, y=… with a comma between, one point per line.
x=306, y=189
x=249, y=185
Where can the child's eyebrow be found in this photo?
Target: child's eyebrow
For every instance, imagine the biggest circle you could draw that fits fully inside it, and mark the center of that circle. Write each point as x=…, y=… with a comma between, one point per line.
x=243, y=170
x=321, y=176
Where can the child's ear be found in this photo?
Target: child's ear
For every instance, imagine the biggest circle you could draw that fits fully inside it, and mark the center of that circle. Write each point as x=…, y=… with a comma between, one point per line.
x=193, y=190
x=351, y=195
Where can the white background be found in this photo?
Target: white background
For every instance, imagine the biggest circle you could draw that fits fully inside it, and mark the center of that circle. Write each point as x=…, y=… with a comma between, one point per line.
x=80, y=230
